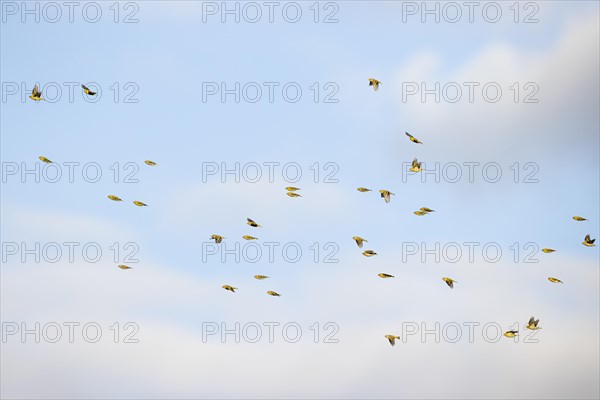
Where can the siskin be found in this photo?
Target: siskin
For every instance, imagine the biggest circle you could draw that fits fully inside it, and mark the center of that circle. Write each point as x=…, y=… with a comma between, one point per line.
x=272, y=293
x=533, y=324
x=140, y=204
x=359, y=241
x=385, y=194
x=292, y=194
x=260, y=277
x=382, y=275
x=449, y=282
x=578, y=218
x=217, y=238
x=122, y=266
x=291, y=189
x=252, y=223
x=36, y=95
x=416, y=166
x=546, y=250
x=87, y=91
x=229, y=287
x=248, y=237
x=419, y=212
x=511, y=334
x=363, y=189
x=554, y=280
x=412, y=138
x=44, y=159
x=114, y=198
x=150, y=163
x=426, y=209
x=375, y=83
x=369, y=253
x=392, y=339
x=589, y=242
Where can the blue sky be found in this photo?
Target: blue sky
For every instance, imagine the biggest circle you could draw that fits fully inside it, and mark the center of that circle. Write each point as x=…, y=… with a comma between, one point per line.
x=168, y=55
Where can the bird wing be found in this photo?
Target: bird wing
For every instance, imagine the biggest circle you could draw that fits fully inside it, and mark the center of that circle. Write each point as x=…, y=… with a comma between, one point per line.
x=408, y=134
x=531, y=321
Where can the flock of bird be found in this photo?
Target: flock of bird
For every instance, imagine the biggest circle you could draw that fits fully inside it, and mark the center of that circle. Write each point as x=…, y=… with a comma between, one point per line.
x=532, y=324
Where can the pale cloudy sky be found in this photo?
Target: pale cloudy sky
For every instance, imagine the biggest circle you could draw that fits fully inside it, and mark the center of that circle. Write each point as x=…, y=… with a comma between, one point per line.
x=173, y=293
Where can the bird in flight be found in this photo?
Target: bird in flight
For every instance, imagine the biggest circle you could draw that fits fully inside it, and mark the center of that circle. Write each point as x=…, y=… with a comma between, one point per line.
x=260, y=277
x=546, y=250
x=420, y=212
x=511, y=334
x=392, y=339
x=416, y=166
x=363, y=189
x=122, y=266
x=382, y=275
x=272, y=293
x=36, y=94
x=578, y=218
x=554, y=280
x=369, y=253
x=589, y=242
x=359, y=241
x=292, y=194
x=217, y=238
x=150, y=163
x=87, y=91
x=248, y=237
x=375, y=83
x=427, y=210
x=533, y=324
x=229, y=287
x=44, y=159
x=291, y=188
x=114, y=198
x=413, y=139
x=139, y=203
x=449, y=282
x=385, y=194
x=252, y=223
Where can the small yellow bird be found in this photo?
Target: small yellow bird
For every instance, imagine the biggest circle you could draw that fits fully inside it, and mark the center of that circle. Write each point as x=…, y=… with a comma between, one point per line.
x=589, y=242
x=114, y=198
x=533, y=324
x=392, y=339
x=87, y=91
x=359, y=241
x=449, y=281
x=369, y=253
x=272, y=293
x=511, y=334
x=375, y=83
x=363, y=189
x=426, y=209
x=412, y=138
x=150, y=163
x=229, y=287
x=140, y=204
x=291, y=188
x=248, y=237
x=44, y=159
x=419, y=212
x=292, y=194
x=252, y=223
x=416, y=166
x=36, y=94
x=385, y=194
x=122, y=266
x=546, y=250
x=554, y=280
x=217, y=238
x=260, y=277
x=578, y=218
x=382, y=275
